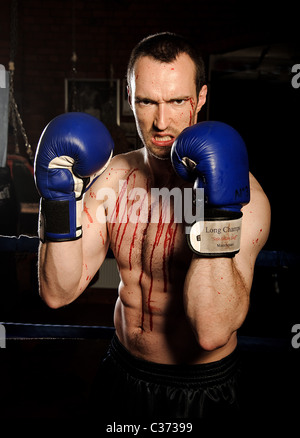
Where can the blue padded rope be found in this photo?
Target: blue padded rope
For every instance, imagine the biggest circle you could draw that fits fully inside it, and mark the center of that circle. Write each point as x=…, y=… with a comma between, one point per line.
x=28, y=331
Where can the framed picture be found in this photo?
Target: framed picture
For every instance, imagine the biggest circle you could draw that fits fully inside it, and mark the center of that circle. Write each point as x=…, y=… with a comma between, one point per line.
x=98, y=97
x=126, y=110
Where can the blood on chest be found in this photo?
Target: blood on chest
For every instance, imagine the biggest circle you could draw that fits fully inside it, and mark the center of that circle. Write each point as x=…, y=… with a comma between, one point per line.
x=147, y=241
x=148, y=254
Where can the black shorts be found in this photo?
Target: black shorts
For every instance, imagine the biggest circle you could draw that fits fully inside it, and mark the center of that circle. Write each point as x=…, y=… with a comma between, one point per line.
x=129, y=387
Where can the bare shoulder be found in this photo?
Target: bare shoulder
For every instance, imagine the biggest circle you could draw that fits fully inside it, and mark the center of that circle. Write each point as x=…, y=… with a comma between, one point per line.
x=119, y=167
x=128, y=159
x=258, y=210
x=256, y=222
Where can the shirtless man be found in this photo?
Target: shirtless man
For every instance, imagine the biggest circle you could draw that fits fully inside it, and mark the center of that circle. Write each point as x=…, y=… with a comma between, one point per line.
x=178, y=310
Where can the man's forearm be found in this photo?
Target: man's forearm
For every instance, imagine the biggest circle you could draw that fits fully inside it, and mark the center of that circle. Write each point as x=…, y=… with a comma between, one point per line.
x=60, y=271
x=216, y=300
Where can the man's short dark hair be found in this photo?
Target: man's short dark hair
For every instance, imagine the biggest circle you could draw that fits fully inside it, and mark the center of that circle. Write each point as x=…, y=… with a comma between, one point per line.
x=166, y=47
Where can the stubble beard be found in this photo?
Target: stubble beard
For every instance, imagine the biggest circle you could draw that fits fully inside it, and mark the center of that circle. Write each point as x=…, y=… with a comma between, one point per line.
x=165, y=157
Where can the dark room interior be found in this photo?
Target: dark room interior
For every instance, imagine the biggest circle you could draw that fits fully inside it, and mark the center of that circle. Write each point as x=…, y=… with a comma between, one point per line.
x=71, y=55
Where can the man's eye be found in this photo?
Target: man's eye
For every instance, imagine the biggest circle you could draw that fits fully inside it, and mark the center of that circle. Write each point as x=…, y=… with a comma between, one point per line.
x=179, y=101
x=144, y=102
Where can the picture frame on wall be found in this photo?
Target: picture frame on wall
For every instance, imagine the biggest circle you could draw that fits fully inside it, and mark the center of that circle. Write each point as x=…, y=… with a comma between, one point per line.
x=126, y=110
x=98, y=97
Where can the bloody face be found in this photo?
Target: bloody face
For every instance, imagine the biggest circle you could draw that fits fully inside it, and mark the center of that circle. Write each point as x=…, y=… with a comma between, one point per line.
x=164, y=101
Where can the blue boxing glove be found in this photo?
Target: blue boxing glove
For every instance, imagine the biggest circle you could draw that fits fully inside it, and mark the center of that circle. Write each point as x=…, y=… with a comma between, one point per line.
x=74, y=149
x=214, y=156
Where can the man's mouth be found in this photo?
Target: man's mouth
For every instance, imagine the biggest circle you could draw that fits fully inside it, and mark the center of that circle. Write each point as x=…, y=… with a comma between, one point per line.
x=163, y=140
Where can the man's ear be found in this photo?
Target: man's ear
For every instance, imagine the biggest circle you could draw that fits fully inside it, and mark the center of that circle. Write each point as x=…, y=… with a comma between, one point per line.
x=129, y=97
x=202, y=97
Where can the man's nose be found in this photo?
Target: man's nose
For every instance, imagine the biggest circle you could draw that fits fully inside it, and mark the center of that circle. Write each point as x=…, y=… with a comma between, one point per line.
x=162, y=117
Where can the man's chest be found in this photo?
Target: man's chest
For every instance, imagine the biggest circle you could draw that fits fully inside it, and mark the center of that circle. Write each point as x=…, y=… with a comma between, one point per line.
x=146, y=223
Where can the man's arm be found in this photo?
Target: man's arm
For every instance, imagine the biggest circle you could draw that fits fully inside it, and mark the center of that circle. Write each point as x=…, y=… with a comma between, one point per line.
x=66, y=268
x=227, y=240
x=217, y=290
x=73, y=150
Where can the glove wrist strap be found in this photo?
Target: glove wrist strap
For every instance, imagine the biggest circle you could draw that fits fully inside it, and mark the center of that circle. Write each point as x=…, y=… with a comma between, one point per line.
x=218, y=235
x=60, y=220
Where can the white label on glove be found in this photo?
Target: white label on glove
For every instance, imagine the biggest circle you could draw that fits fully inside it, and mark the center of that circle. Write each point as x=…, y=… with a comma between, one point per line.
x=215, y=237
x=78, y=218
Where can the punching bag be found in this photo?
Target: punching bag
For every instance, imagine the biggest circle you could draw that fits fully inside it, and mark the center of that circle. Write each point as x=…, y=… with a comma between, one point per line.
x=9, y=210
x=8, y=202
x=4, y=101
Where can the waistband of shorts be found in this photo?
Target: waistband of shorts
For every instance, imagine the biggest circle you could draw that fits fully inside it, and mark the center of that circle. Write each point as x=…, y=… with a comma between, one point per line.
x=204, y=375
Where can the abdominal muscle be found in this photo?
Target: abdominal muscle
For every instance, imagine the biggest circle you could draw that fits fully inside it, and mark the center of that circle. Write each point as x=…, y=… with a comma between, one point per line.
x=153, y=259
x=153, y=334
x=149, y=316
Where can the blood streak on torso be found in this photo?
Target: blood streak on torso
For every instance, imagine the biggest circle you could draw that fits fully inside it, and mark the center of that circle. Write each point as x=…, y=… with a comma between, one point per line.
x=167, y=252
x=146, y=246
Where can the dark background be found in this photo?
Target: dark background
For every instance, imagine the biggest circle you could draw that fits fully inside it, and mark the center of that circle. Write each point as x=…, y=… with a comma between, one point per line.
x=261, y=104
x=250, y=90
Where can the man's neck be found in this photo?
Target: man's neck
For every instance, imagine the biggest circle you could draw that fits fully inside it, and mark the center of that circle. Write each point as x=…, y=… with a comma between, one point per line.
x=161, y=170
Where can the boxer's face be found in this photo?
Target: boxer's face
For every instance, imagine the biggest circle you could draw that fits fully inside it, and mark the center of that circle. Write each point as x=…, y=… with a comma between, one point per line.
x=164, y=101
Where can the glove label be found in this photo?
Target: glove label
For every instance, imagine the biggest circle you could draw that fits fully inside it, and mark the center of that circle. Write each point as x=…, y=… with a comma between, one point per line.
x=216, y=238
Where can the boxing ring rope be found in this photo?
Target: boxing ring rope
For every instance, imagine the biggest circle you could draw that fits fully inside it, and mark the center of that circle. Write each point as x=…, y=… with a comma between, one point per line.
x=29, y=331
